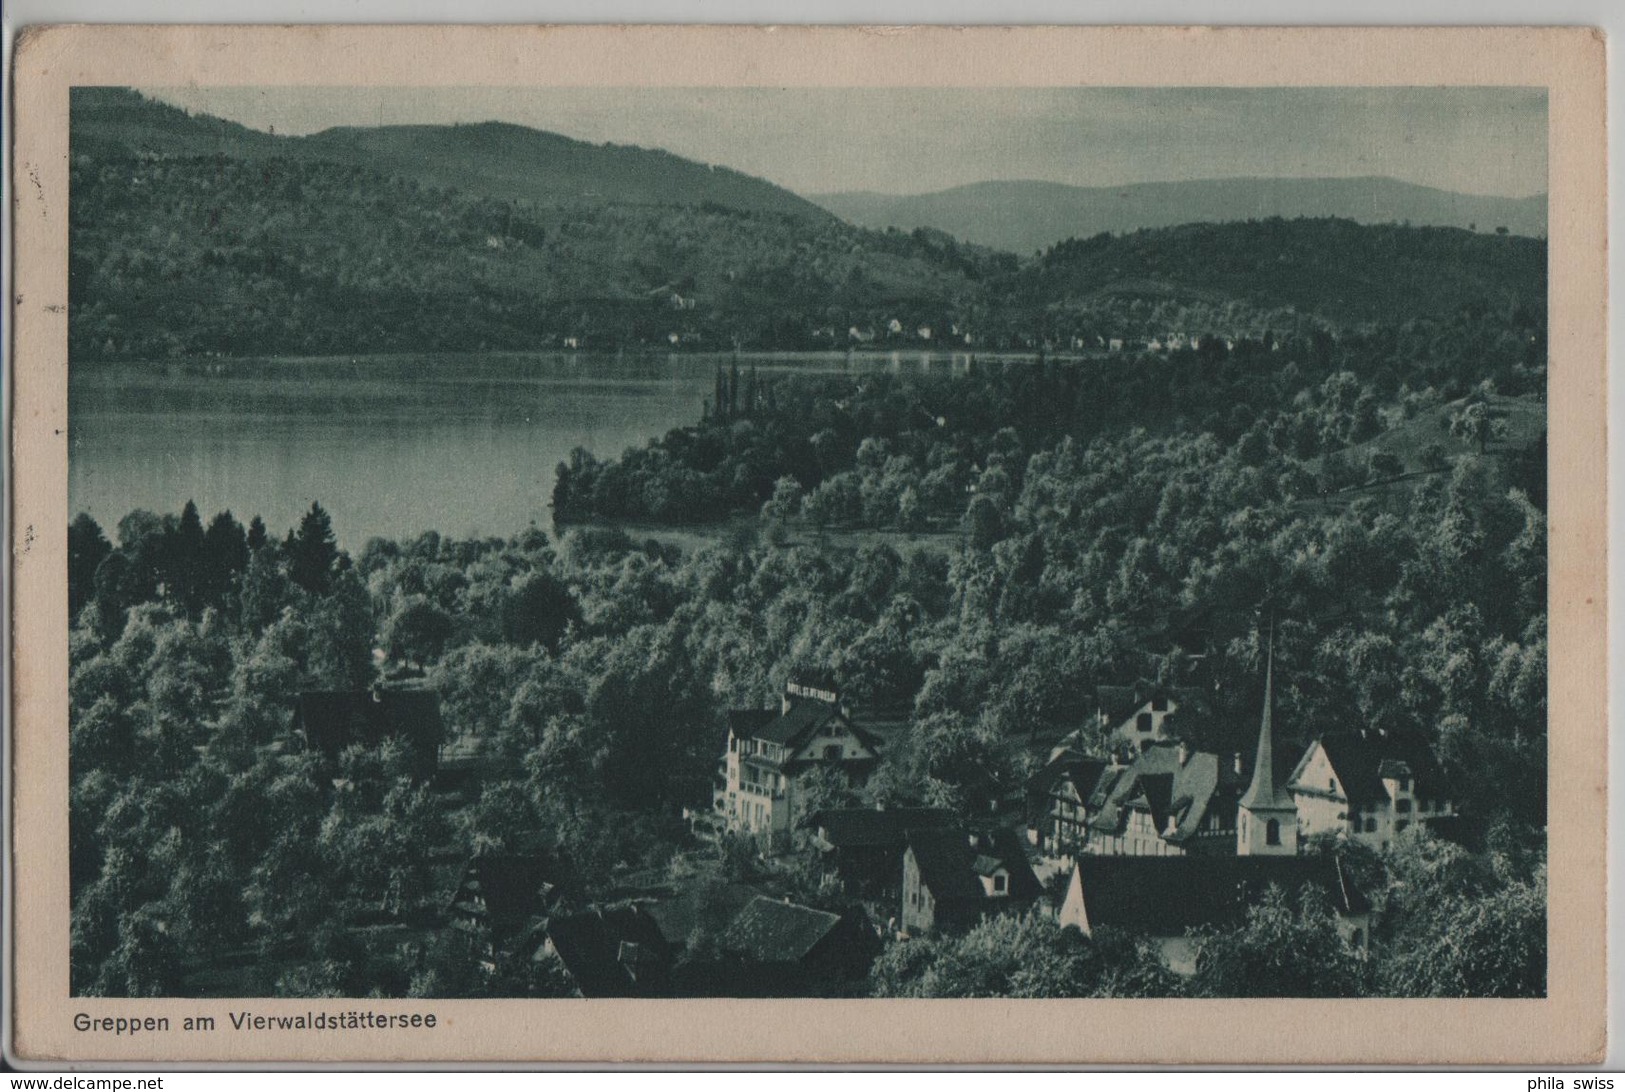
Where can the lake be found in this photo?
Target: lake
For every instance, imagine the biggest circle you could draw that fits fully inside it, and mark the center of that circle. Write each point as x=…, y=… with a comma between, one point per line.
x=465, y=445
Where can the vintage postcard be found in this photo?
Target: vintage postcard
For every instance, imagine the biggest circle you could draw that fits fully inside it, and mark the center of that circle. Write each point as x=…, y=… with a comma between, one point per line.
x=906, y=545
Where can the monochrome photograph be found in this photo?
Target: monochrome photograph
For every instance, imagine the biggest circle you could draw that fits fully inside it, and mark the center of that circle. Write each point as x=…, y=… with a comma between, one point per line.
x=856, y=543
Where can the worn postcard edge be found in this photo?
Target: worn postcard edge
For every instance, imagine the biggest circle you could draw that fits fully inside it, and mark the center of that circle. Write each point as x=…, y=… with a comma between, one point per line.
x=1569, y=1026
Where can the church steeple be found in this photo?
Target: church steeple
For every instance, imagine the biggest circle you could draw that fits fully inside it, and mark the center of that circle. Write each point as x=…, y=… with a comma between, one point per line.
x=1267, y=816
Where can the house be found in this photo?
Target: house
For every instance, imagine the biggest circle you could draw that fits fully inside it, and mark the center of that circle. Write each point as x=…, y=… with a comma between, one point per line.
x=771, y=760
x=1369, y=786
x=1166, y=897
x=861, y=849
x=614, y=952
x=953, y=878
x=798, y=947
x=1137, y=715
x=1060, y=794
x=864, y=335
x=329, y=721
x=894, y=327
x=1168, y=801
x=1115, y=345
x=923, y=333
x=499, y=897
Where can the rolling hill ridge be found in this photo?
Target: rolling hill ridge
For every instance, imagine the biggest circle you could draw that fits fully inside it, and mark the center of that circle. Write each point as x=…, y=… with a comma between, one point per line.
x=1025, y=216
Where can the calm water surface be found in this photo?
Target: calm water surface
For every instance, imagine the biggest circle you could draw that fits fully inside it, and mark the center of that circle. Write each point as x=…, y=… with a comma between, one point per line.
x=464, y=445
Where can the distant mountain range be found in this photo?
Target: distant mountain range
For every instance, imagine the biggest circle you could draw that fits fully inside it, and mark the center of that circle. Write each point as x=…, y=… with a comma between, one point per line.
x=489, y=159
x=1027, y=216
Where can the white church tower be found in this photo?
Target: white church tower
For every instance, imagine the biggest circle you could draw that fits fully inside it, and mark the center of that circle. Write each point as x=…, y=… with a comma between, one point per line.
x=1267, y=817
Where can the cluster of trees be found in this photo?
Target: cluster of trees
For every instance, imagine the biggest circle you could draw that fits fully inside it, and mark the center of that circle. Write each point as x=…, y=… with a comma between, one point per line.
x=875, y=449
x=1451, y=924
x=593, y=677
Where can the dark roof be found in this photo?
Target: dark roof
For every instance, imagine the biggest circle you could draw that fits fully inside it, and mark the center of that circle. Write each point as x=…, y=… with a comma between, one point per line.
x=769, y=931
x=678, y=915
x=789, y=728
x=803, y=717
x=506, y=889
x=949, y=865
x=331, y=720
x=745, y=723
x=614, y=952
x=1360, y=758
x=1164, y=896
x=1157, y=782
x=1118, y=703
x=845, y=828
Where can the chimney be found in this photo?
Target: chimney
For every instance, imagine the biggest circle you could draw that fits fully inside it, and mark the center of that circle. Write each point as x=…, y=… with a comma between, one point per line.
x=1238, y=764
x=1184, y=752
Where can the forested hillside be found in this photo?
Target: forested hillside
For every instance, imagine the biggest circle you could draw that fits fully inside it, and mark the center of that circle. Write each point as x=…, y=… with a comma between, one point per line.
x=285, y=256
x=1301, y=275
x=508, y=162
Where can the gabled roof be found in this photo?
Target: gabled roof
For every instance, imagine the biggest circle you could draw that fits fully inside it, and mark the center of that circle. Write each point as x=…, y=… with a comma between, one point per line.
x=804, y=718
x=1156, y=782
x=1165, y=896
x=505, y=890
x=770, y=931
x=1118, y=703
x=1359, y=760
x=801, y=719
x=331, y=720
x=745, y=723
x=949, y=865
x=613, y=952
x=850, y=828
x=679, y=914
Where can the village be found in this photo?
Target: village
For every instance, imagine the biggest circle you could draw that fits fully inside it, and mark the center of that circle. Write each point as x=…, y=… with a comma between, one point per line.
x=1125, y=825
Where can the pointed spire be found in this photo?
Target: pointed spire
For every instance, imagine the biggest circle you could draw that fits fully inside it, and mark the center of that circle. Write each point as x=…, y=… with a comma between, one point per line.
x=1263, y=794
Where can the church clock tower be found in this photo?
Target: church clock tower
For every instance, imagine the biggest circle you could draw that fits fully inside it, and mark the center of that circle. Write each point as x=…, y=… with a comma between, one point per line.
x=1267, y=817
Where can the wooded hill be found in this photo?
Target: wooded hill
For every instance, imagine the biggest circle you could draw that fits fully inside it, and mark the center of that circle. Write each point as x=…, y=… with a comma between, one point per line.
x=491, y=159
x=192, y=235
x=1027, y=216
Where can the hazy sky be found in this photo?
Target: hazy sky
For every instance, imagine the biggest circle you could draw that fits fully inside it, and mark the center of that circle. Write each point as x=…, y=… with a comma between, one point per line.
x=1475, y=140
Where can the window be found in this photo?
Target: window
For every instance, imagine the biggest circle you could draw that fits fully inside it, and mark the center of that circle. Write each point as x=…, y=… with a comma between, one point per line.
x=1371, y=824
x=1404, y=784
x=1402, y=806
x=1331, y=784
x=1357, y=938
x=832, y=752
x=1401, y=825
x=1159, y=705
x=998, y=884
x=1143, y=722
x=1272, y=832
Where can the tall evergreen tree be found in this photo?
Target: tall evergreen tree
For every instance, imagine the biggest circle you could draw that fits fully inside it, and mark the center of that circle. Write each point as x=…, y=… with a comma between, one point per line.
x=256, y=534
x=87, y=548
x=313, y=551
